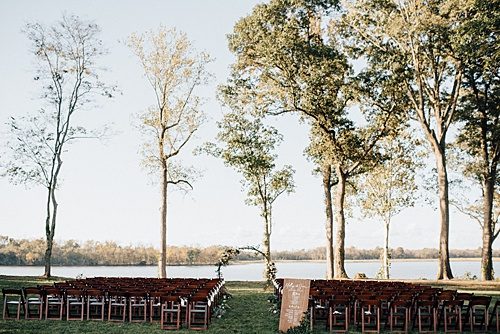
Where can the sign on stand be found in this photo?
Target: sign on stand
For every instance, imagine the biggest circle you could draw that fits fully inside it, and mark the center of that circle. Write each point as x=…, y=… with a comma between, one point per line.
x=294, y=302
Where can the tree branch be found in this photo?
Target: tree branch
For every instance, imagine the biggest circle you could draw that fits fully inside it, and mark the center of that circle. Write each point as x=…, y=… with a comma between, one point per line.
x=180, y=182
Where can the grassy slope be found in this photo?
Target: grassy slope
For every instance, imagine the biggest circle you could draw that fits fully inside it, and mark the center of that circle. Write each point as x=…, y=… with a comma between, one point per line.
x=248, y=312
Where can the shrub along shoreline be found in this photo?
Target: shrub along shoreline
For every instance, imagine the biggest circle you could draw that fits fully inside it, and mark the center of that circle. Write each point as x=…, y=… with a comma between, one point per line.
x=15, y=252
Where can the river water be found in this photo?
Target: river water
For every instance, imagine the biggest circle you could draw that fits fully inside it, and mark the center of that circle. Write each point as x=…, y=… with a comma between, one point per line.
x=254, y=271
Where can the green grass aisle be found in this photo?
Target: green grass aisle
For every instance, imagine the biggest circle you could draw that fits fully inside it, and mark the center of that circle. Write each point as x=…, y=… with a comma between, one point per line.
x=248, y=310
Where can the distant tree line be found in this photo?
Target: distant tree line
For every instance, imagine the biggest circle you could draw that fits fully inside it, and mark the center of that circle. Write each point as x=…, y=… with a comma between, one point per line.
x=354, y=253
x=94, y=253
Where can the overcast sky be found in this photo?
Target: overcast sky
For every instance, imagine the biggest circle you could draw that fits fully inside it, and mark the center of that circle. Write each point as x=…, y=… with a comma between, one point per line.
x=105, y=195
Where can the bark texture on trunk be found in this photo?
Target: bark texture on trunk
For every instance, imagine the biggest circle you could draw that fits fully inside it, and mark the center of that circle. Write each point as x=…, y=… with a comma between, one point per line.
x=327, y=188
x=48, y=257
x=162, y=263
x=487, y=251
x=267, y=244
x=339, y=251
x=50, y=227
x=444, y=268
x=490, y=155
x=385, y=259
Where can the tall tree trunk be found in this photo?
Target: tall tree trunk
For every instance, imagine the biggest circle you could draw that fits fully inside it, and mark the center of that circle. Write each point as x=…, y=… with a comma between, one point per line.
x=444, y=268
x=327, y=188
x=487, y=252
x=50, y=226
x=339, y=251
x=267, y=240
x=162, y=263
x=385, y=258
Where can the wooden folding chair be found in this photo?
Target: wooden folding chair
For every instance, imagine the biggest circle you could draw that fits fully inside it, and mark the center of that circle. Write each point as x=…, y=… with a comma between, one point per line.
x=318, y=309
x=33, y=303
x=96, y=302
x=155, y=305
x=476, y=313
x=495, y=317
x=13, y=303
x=75, y=304
x=54, y=303
x=170, y=315
x=426, y=315
x=198, y=312
x=400, y=314
x=452, y=316
x=339, y=314
x=117, y=305
x=138, y=305
x=370, y=315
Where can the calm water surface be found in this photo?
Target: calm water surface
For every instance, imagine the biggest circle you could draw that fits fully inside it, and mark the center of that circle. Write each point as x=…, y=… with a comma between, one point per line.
x=253, y=271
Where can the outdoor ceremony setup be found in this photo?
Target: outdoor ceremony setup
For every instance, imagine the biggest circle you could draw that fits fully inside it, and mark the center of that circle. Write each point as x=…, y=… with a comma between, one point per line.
x=375, y=306
x=254, y=167
x=338, y=306
x=172, y=302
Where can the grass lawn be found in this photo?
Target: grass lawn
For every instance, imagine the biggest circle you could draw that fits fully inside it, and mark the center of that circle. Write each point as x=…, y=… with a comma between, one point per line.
x=247, y=312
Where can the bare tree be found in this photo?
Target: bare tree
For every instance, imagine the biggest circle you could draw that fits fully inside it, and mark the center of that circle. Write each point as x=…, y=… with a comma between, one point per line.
x=173, y=70
x=66, y=55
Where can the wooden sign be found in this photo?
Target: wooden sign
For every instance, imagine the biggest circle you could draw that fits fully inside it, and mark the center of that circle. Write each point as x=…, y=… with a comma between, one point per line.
x=294, y=302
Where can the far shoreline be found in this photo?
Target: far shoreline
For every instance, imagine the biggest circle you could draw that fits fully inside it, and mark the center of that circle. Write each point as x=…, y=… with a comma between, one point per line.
x=456, y=259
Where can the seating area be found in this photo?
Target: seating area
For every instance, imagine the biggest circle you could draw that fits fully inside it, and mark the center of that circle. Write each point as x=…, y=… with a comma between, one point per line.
x=172, y=302
x=391, y=306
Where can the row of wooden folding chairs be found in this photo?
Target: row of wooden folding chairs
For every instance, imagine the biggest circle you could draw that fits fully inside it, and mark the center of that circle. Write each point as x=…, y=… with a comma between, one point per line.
x=77, y=304
x=405, y=312
x=191, y=304
x=399, y=306
x=427, y=312
x=194, y=312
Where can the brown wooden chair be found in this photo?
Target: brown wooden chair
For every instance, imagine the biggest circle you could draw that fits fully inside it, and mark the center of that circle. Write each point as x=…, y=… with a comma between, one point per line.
x=476, y=316
x=426, y=314
x=117, y=305
x=318, y=309
x=400, y=314
x=198, y=312
x=339, y=314
x=54, y=303
x=452, y=316
x=358, y=296
x=155, y=305
x=96, y=303
x=75, y=304
x=13, y=303
x=495, y=318
x=370, y=315
x=170, y=316
x=138, y=306
x=33, y=298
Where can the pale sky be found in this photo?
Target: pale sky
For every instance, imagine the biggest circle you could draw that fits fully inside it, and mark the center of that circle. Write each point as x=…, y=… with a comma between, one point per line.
x=105, y=195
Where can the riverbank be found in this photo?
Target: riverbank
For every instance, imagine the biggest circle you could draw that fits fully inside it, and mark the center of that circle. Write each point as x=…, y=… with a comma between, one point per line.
x=458, y=259
x=253, y=271
x=455, y=259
